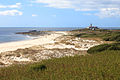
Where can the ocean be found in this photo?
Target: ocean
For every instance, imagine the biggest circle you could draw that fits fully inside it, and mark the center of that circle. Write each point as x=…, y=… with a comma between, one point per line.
x=7, y=34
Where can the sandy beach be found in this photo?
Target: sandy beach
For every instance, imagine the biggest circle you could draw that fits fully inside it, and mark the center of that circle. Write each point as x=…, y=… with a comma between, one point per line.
x=55, y=45
x=11, y=46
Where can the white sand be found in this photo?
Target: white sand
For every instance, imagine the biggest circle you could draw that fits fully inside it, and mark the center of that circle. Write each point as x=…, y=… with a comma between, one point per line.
x=51, y=45
x=11, y=46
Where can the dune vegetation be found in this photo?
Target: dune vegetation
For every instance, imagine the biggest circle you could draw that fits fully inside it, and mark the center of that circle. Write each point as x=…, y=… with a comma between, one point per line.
x=102, y=66
x=101, y=63
x=106, y=35
x=104, y=47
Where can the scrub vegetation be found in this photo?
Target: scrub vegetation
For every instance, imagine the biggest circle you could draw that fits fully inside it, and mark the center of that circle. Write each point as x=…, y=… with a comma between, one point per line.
x=102, y=66
x=101, y=63
x=106, y=35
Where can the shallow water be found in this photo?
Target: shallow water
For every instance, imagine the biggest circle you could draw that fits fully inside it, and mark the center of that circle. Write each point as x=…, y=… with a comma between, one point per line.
x=7, y=34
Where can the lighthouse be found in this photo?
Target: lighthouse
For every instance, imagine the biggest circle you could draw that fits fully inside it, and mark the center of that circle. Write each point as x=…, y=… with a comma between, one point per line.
x=91, y=27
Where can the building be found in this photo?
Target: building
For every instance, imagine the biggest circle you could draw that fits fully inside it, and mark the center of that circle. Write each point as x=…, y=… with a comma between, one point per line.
x=91, y=27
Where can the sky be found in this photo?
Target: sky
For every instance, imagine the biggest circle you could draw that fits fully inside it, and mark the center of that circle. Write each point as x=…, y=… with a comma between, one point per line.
x=59, y=13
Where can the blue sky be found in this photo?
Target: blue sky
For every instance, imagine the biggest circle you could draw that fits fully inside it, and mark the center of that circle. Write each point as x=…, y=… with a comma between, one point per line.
x=59, y=13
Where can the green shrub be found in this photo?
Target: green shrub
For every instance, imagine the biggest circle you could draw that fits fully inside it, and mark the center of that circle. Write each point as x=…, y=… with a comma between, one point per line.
x=106, y=39
x=86, y=35
x=114, y=36
x=106, y=35
x=104, y=47
x=39, y=67
x=79, y=35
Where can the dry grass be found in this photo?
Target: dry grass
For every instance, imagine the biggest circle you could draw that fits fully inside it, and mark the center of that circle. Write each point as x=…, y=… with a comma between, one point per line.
x=101, y=66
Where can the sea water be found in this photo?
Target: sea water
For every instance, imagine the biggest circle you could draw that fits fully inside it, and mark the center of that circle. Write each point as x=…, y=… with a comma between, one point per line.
x=8, y=34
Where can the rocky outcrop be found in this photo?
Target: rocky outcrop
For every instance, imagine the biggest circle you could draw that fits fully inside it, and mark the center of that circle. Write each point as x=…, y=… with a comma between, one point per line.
x=33, y=33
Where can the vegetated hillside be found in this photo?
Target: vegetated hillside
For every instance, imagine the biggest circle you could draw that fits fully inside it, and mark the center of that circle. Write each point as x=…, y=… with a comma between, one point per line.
x=102, y=66
x=104, y=47
x=106, y=35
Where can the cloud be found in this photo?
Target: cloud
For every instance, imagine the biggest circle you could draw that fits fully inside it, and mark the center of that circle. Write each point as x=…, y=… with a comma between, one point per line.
x=11, y=13
x=34, y=15
x=56, y=3
x=109, y=8
x=109, y=12
x=17, y=5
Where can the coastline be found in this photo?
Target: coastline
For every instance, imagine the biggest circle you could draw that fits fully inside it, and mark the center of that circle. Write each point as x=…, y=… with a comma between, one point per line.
x=55, y=45
x=12, y=46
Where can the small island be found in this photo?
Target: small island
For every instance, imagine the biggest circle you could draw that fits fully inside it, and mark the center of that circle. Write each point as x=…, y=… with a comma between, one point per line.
x=34, y=33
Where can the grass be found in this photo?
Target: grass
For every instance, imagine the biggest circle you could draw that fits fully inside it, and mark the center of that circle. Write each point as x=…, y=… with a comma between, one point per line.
x=114, y=36
x=101, y=66
x=104, y=47
x=104, y=64
x=106, y=35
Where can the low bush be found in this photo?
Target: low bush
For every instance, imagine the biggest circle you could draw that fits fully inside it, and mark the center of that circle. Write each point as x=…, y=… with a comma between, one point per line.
x=106, y=35
x=112, y=38
x=39, y=67
x=104, y=47
x=79, y=35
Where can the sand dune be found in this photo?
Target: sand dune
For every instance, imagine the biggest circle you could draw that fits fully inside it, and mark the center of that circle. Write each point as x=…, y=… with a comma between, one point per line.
x=50, y=46
x=11, y=46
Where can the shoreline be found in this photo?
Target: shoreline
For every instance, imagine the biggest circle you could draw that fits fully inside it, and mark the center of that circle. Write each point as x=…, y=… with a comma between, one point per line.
x=55, y=45
x=26, y=36
x=40, y=40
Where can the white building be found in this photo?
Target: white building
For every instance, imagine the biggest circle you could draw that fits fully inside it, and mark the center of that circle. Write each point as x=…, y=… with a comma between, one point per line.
x=91, y=27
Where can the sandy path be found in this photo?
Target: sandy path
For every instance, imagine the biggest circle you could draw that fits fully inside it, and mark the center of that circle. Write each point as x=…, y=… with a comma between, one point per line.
x=11, y=46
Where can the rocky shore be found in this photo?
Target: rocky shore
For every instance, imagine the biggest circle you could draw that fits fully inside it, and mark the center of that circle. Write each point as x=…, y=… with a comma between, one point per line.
x=34, y=33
